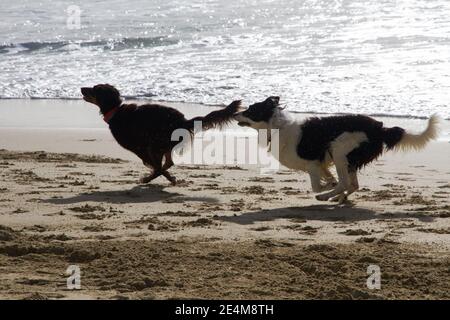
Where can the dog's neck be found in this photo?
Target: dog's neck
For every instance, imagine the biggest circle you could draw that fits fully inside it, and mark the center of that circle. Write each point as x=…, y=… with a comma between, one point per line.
x=108, y=115
x=280, y=119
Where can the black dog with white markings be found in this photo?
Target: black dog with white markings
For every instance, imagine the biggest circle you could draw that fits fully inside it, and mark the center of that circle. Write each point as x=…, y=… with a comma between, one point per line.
x=349, y=142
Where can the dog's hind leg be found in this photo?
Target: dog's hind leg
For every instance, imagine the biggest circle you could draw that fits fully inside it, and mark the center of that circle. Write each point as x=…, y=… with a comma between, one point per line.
x=354, y=185
x=148, y=178
x=155, y=174
x=327, y=176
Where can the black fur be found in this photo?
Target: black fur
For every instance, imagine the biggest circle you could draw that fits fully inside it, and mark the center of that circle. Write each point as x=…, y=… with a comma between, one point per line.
x=318, y=133
x=107, y=96
x=391, y=136
x=146, y=130
x=215, y=119
x=262, y=111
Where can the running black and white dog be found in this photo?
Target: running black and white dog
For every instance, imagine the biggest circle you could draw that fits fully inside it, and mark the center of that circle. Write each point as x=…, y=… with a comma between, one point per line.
x=349, y=142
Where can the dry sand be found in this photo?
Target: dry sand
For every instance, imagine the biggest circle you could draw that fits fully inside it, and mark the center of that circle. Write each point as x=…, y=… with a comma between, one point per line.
x=222, y=232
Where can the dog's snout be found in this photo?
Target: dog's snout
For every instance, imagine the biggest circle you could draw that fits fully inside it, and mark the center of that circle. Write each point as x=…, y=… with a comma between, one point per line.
x=85, y=91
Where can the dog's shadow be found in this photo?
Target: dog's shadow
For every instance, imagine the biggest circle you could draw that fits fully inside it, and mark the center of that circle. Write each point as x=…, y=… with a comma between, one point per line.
x=323, y=212
x=138, y=194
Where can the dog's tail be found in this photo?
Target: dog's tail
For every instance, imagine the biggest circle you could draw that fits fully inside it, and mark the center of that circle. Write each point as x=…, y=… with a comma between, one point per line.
x=215, y=119
x=397, y=138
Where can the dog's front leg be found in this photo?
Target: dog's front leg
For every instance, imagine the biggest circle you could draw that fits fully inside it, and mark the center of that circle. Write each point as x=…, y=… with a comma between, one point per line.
x=340, y=198
x=314, y=172
x=335, y=192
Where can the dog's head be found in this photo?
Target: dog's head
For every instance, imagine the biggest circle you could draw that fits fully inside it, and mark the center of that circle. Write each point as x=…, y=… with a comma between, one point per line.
x=105, y=96
x=258, y=115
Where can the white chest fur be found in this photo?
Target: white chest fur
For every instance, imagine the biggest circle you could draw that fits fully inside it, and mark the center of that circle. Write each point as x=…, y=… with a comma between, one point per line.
x=289, y=135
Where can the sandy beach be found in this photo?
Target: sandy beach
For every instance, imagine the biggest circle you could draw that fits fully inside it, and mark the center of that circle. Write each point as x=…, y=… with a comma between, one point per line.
x=69, y=195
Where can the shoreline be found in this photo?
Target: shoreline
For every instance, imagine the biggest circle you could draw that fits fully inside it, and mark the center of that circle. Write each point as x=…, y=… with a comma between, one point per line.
x=214, y=105
x=76, y=126
x=189, y=108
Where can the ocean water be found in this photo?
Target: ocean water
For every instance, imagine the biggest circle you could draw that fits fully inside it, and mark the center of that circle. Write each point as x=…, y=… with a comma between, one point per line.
x=327, y=56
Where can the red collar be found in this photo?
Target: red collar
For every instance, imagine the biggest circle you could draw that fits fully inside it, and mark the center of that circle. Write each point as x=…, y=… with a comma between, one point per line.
x=108, y=116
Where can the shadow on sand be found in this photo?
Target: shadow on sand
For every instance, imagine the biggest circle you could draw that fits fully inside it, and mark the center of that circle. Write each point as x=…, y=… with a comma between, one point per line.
x=137, y=194
x=323, y=212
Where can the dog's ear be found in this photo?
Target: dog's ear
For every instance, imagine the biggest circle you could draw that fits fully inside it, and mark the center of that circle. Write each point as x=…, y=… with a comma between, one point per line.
x=274, y=100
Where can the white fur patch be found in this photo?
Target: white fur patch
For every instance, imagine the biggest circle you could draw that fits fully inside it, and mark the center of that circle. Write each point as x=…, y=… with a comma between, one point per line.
x=346, y=143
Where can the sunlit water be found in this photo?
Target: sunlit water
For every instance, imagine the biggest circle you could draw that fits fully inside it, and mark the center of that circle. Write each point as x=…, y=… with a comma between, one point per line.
x=367, y=56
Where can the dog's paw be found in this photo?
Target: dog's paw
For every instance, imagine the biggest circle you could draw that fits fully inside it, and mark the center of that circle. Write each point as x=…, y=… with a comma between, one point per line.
x=145, y=180
x=340, y=198
x=322, y=197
